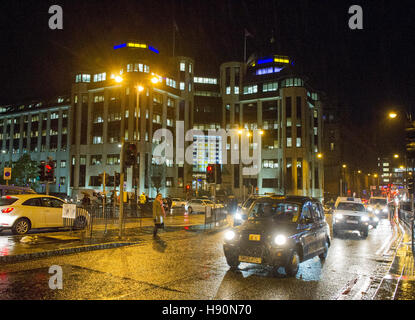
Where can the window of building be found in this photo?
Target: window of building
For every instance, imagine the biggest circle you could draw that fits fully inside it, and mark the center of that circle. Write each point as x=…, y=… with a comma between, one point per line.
x=113, y=159
x=228, y=90
x=97, y=140
x=271, y=86
x=182, y=66
x=250, y=89
x=96, y=159
x=63, y=163
x=236, y=90
x=100, y=77
x=270, y=183
x=182, y=86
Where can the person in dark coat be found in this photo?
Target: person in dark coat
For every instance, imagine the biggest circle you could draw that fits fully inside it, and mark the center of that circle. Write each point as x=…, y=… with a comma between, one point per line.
x=158, y=214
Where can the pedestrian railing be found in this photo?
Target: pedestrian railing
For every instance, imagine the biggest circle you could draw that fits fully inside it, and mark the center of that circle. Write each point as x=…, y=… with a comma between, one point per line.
x=407, y=217
x=214, y=215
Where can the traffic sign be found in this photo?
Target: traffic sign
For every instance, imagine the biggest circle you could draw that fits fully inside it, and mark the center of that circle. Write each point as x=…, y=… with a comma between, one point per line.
x=7, y=174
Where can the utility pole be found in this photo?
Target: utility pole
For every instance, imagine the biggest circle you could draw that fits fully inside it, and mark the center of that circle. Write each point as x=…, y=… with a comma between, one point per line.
x=121, y=217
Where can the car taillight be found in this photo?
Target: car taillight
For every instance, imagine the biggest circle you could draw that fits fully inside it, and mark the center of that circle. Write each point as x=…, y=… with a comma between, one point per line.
x=7, y=210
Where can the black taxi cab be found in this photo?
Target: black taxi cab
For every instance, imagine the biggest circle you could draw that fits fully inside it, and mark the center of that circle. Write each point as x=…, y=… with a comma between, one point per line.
x=281, y=231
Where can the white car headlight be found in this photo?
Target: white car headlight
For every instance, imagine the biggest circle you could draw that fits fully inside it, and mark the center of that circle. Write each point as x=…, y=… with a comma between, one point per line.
x=365, y=219
x=238, y=216
x=376, y=211
x=369, y=209
x=280, y=240
x=385, y=210
x=229, y=235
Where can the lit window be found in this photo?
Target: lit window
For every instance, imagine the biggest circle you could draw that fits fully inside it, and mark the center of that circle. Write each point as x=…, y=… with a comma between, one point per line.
x=182, y=86
x=228, y=90
x=182, y=66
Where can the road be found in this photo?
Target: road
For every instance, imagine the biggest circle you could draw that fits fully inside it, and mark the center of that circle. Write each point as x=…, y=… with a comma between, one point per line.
x=186, y=265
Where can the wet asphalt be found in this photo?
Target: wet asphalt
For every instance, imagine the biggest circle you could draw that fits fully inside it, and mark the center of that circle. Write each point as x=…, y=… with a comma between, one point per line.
x=190, y=265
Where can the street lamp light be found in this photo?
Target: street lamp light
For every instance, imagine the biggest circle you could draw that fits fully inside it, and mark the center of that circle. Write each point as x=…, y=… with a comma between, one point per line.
x=396, y=156
x=319, y=155
x=392, y=115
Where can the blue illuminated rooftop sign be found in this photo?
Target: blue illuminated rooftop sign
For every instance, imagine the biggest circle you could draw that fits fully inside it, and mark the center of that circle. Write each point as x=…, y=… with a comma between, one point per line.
x=136, y=45
x=265, y=60
x=120, y=46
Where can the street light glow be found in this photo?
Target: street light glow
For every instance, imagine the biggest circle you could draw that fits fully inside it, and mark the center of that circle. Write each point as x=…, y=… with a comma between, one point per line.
x=319, y=155
x=344, y=166
x=118, y=79
x=140, y=88
x=396, y=156
x=392, y=115
x=154, y=80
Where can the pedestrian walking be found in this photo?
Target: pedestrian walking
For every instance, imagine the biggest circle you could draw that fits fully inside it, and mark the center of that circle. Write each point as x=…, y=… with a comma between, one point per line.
x=158, y=214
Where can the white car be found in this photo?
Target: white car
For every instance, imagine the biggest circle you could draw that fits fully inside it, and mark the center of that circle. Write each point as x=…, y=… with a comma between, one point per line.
x=379, y=206
x=20, y=213
x=178, y=203
x=199, y=205
x=350, y=214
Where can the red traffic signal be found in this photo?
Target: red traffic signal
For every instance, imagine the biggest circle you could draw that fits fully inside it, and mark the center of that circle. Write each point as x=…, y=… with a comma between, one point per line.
x=188, y=187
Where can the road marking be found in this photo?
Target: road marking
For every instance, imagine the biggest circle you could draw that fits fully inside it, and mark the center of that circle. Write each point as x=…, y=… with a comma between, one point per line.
x=347, y=289
x=363, y=289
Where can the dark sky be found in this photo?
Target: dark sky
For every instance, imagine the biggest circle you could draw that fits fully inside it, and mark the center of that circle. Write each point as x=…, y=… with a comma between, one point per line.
x=366, y=70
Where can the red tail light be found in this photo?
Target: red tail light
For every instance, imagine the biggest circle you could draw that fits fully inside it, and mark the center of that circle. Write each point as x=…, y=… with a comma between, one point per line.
x=7, y=210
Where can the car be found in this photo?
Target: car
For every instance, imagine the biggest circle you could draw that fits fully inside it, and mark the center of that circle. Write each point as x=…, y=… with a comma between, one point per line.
x=241, y=213
x=21, y=213
x=379, y=206
x=280, y=231
x=178, y=203
x=350, y=214
x=199, y=205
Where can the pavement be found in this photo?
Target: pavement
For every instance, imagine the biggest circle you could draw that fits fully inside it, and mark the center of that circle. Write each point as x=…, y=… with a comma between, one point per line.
x=102, y=235
x=399, y=282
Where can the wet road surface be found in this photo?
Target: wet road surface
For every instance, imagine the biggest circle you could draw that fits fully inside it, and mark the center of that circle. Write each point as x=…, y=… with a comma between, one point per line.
x=190, y=265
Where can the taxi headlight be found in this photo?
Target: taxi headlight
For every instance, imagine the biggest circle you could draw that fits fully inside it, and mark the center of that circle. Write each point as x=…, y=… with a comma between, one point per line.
x=376, y=211
x=280, y=240
x=229, y=235
x=365, y=219
x=369, y=209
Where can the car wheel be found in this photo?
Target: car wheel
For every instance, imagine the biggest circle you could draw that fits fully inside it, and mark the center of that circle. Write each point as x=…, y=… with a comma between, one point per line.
x=293, y=264
x=80, y=223
x=189, y=210
x=233, y=262
x=21, y=226
x=323, y=255
x=365, y=233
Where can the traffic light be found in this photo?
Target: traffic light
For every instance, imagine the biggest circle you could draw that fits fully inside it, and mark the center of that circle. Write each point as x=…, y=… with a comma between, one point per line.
x=130, y=155
x=210, y=173
x=218, y=172
x=188, y=187
x=50, y=171
x=42, y=171
x=117, y=179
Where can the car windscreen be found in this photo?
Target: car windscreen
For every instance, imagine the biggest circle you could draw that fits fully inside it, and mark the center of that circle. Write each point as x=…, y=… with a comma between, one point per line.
x=283, y=212
x=248, y=202
x=378, y=201
x=7, y=201
x=351, y=206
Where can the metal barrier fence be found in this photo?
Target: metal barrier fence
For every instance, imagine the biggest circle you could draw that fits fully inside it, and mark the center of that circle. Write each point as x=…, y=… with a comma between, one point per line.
x=88, y=217
x=408, y=218
x=214, y=215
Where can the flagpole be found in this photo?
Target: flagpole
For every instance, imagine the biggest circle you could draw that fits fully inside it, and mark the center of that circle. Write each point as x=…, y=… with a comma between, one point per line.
x=244, y=47
x=174, y=38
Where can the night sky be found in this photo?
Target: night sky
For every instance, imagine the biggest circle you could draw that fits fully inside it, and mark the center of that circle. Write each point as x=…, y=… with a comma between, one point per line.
x=367, y=71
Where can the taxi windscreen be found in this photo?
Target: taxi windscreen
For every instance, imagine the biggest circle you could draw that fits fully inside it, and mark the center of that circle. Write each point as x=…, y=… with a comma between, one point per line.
x=284, y=212
x=378, y=201
x=351, y=206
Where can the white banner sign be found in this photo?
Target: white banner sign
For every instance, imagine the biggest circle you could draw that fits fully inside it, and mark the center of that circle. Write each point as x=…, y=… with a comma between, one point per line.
x=69, y=211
